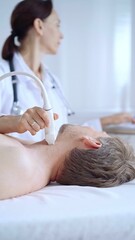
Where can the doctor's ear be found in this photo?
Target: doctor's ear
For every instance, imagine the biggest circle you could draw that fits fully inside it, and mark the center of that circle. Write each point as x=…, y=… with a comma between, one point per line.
x=38, y=25
x=91, y=143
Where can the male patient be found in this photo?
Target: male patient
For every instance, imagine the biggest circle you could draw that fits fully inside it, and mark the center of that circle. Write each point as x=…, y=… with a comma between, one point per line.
x=80, y=156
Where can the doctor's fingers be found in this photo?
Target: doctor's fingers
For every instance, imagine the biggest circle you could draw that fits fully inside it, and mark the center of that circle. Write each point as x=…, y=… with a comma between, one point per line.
x=31, y=128
x=36, y=117
x=23, y=126
x=55, y=116
x=33, y=120
x=133, y=120
x=122, y=117
x=38, y=123
x=42, y=118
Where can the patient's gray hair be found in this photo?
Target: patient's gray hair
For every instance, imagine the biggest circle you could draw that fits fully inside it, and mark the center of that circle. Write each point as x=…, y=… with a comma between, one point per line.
x=110, y=165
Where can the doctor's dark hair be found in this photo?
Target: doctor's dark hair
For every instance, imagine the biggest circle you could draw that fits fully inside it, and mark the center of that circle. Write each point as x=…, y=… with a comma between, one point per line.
x=110, y=165
x=22, y=18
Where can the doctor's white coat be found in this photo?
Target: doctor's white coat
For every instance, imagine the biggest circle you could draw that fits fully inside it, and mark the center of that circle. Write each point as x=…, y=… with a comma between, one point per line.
x=29, y=94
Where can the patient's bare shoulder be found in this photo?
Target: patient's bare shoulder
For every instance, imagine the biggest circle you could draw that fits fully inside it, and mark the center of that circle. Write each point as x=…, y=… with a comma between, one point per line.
x=6, y=139
x=10, y=149
x=21, y=171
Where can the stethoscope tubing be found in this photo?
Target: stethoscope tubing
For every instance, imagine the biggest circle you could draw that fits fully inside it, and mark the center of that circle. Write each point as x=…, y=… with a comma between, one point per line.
x=14, y=82
x=54, y=83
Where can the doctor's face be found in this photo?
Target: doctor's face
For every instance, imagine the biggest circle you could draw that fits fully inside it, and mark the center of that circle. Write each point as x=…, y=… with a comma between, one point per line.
x=52, y=35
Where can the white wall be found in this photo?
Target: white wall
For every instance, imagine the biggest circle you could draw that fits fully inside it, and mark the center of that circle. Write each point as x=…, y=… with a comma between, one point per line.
x=6, y=8
x=94, y=62
x=96, y=54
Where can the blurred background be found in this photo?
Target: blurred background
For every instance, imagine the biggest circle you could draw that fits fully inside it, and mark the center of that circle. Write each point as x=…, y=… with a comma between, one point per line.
x=95, y=62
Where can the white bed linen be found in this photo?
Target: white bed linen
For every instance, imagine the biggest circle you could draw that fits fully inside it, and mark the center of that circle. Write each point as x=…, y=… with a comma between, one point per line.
x=70, y=212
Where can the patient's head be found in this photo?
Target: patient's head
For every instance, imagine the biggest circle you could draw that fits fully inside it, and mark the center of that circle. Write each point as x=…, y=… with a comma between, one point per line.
x=108, y=163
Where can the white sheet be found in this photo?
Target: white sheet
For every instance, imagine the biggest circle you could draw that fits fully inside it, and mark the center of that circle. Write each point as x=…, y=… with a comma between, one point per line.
x=70, y=212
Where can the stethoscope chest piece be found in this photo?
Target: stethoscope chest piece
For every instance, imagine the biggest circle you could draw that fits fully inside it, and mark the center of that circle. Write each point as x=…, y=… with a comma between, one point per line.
x=16, y=109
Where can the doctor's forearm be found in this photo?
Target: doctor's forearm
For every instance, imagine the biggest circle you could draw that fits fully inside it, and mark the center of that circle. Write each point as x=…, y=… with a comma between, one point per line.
x=105, y=121
x=117, y=118
x=8, y=124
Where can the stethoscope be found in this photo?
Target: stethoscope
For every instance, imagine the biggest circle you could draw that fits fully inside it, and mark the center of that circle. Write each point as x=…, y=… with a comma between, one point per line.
x=49, y=131
x=55, y=85
x=16, y=109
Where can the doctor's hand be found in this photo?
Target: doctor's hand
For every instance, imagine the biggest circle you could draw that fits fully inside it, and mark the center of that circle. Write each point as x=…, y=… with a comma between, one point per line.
x=33, y=120
x=117, y=118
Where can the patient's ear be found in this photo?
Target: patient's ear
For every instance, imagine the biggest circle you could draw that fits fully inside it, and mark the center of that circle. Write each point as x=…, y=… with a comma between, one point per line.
x=91, y=143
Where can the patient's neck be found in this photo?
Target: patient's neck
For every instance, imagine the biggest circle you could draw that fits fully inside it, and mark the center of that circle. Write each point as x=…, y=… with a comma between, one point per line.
x=52, y=156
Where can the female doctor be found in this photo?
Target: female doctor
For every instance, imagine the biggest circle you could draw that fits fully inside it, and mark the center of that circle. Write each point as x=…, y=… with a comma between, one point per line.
x=35, y=32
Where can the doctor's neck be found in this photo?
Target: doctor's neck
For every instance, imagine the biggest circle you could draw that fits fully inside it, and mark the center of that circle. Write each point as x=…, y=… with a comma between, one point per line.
x=32, y=57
